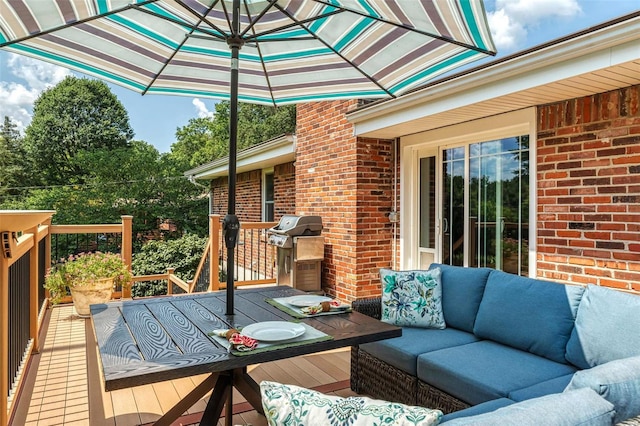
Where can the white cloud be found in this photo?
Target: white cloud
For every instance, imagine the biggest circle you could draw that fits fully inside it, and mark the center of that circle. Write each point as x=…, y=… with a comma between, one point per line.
x=507, y=34
x=512, y=20
x=202, y=109
x=23, y=80
x=37, y=74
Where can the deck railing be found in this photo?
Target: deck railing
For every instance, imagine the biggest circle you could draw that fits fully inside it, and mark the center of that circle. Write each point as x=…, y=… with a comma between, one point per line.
x=254, y=259
x=22, y=304
x=74, y=239
x=23, y=299
x=19, y=313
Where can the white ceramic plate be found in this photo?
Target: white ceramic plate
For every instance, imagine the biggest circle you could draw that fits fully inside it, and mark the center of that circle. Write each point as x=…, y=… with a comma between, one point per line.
x=305, y=300
x=274, y=331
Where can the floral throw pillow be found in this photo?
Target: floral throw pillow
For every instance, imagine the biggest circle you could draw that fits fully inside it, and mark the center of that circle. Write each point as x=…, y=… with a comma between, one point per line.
x=286, y=405
x=412, y=298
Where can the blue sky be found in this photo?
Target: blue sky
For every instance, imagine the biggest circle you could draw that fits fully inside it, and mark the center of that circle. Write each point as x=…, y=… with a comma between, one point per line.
x=515, y=25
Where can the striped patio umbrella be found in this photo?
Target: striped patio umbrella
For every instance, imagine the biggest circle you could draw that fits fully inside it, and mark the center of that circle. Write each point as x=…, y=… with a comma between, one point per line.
x=258, y=51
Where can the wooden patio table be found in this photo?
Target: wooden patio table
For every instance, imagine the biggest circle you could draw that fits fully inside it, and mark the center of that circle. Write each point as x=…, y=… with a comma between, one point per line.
x=163, y=338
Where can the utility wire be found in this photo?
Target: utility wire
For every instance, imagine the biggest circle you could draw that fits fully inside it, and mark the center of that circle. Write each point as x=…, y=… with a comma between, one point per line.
x=84, y=185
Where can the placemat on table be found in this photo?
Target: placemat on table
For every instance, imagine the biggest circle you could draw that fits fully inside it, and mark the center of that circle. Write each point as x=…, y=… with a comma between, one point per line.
x=294, y=311
x=311, y=335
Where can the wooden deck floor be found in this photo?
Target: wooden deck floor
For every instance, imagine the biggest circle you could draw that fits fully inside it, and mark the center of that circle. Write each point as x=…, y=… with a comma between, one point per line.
x=63, y=385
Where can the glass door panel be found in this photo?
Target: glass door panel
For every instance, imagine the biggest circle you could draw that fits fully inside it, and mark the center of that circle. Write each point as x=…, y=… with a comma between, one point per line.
x=499, y=204
x=453, y=189
x=427, y=218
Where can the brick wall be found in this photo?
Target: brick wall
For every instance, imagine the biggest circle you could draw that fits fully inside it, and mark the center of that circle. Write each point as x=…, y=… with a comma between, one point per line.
x=284, y=190
x=375, y=202
x=248, y=196
x=348, y=182
x=249, y=193
x=588, y=154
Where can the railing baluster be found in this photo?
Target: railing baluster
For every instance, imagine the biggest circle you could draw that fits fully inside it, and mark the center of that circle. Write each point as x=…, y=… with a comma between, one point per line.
x=19, y=315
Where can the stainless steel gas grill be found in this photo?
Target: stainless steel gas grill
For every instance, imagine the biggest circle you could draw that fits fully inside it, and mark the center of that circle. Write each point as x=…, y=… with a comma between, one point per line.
x=300, y=251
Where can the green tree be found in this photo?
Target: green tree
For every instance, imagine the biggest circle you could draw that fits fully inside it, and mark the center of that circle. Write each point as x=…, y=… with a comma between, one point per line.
x=200, y=141
x=258, y=123
x=134, y=180
x=76, y=115
x=206, y=139
x=10, y=170
x=183, y=254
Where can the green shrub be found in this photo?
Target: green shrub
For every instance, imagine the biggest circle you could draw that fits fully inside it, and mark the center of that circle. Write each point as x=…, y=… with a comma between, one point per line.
x=183, y=254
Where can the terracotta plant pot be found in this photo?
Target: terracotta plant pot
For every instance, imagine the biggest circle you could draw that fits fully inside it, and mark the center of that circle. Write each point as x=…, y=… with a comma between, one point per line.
x=87, y=294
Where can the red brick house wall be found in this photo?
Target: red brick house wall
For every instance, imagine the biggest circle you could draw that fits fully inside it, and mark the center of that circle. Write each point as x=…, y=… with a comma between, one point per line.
x=284, y=190
x=248, y=196
x=588, y=156
x=249, y=193
x=347, y=181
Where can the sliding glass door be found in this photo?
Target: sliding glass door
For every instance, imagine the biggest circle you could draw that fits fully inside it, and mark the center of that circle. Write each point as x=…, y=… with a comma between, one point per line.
x=481, y=216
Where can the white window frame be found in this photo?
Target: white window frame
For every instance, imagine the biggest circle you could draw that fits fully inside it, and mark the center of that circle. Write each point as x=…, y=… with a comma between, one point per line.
x=263, y=197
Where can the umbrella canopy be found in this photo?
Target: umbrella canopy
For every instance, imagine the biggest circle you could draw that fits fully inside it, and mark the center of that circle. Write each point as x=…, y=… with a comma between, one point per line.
x=257, y=51
x=292, y=51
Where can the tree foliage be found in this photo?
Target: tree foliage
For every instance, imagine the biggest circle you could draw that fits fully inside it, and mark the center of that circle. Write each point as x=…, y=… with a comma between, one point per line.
x=183, y=254
x=75, y=116
x=205, y=139
x=134, y=180
x=13, y=164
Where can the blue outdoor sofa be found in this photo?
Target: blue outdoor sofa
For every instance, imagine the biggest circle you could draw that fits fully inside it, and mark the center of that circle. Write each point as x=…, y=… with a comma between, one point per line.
x=509, y=342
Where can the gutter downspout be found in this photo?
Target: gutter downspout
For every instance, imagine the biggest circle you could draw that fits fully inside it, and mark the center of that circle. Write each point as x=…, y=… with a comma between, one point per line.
x=394, y=214
x=192, y=179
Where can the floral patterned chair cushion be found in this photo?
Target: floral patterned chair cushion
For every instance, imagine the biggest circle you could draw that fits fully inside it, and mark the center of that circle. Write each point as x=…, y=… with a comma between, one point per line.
x=293, y=405
x=412, y=298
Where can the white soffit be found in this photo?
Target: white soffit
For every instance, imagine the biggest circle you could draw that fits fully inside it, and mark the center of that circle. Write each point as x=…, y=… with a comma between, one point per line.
x=604, y=58
x=265, y=155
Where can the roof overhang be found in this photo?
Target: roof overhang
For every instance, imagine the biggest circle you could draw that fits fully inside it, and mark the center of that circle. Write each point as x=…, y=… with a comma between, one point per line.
x=262, y=156
x=596, y=60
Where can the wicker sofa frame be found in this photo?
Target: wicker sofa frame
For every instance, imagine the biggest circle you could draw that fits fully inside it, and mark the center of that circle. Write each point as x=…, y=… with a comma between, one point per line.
x=376, y=378
x=383, y=381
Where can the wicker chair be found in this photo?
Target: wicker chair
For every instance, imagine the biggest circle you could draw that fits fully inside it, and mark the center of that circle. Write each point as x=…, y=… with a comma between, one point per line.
x=376, y=378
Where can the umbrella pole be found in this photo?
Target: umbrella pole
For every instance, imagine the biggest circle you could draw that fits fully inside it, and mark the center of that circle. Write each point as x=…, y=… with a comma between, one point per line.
x=230, y=224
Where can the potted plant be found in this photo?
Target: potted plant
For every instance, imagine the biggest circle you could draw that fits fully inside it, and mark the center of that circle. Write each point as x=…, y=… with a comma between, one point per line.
x=91, y=278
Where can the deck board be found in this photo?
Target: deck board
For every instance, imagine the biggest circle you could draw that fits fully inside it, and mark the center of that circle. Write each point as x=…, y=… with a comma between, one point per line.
x=58, y=390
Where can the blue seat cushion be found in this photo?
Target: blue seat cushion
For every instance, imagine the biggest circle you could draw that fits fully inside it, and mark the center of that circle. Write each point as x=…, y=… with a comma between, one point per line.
x=556, y=385
x=533, y=315
x=402, y=352
x=474, y=410
x=462, y=290
x=581, y=407
x=485, y=370
x=606, y=328
x=616, y=381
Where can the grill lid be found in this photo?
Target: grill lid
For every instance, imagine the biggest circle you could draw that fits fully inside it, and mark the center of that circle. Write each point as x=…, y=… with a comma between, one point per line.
x=293, y=226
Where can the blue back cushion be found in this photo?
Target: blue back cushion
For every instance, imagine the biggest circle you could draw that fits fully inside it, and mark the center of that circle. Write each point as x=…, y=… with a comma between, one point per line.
x=581, y=407
x=616, y=381
x=607, y=328
x=532, y=315
x=462, y=290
